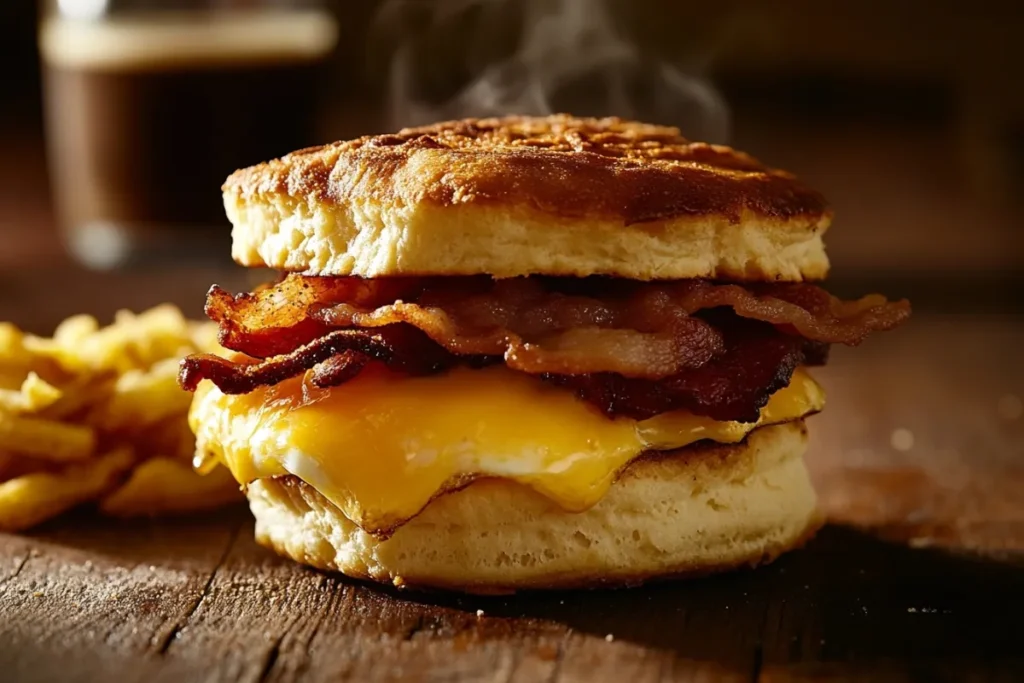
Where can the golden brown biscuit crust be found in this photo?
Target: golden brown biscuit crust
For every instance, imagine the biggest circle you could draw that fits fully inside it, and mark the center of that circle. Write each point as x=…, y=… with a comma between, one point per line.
x=689, y=512
x=525, y=196
x=570, y=167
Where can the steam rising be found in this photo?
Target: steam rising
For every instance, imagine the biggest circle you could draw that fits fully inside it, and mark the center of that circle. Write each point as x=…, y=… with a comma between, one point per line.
x=570, y=58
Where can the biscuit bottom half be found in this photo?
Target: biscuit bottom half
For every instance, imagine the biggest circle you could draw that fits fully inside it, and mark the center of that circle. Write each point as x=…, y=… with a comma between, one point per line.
x=697, y=510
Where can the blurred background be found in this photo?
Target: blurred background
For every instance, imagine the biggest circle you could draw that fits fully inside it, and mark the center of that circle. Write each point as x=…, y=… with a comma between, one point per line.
x=119, y=120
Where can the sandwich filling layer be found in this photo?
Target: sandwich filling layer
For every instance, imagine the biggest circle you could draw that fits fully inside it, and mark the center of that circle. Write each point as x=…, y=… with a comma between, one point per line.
x=382, y=394
x=629, y=348
x=384, y=444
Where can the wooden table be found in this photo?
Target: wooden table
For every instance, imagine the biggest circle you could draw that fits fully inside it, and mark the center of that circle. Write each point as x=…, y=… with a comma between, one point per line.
x=919, y=460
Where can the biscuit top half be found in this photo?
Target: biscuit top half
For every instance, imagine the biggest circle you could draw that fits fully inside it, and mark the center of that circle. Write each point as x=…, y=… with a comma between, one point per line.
x=514, y=196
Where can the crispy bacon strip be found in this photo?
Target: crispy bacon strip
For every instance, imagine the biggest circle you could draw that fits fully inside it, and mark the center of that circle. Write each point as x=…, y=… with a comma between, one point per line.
x=797, y=308
x=275, y=319
x=630, y=348
x=335, y=358
x=544, y=324
x=685, y=342
x=733, y=387
x=339, y=369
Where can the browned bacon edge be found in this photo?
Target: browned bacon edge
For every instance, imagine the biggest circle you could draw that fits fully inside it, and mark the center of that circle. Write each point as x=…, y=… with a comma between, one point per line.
x=716, y=349
x=734, y=386
x=478, y=315
x=336, y=358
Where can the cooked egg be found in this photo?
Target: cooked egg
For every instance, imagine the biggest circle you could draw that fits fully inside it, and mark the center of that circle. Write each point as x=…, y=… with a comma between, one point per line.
x=383, y=444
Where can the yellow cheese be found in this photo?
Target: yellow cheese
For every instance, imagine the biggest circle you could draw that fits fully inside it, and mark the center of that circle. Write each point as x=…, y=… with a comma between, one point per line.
x=382, y=445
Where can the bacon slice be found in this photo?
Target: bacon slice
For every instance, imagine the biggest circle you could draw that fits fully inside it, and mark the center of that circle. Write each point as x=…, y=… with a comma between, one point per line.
x=686, y=342
x=798, y=308
x=275, y=319
x=339, y=369
x=733, y=387
x=335, y=358
x=630, y=348
x=557, y=325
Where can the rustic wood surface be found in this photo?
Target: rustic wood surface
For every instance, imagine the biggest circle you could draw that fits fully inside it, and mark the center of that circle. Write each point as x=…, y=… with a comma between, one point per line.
x=919, y=459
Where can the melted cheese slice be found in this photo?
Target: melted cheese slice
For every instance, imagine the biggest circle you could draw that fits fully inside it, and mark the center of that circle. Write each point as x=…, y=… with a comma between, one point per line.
x=382, y=445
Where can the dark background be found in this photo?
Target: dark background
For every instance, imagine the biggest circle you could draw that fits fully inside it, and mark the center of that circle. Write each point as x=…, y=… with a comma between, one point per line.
x=908, y=115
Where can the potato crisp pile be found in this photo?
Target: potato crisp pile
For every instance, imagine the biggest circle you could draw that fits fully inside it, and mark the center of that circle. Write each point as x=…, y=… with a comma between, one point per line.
x=94, y=414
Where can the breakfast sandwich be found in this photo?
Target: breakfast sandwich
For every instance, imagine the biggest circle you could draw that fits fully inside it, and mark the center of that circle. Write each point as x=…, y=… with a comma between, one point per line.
x=524, y=353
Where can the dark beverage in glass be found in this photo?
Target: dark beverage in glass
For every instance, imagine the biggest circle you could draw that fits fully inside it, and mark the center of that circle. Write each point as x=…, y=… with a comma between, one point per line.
x=148, y=112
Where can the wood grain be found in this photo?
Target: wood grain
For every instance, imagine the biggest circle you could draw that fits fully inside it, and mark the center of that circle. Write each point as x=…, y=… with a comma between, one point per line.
x=919, y=576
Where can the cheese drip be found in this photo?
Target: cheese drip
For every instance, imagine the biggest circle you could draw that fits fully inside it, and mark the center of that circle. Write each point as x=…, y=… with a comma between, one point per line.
x=383, y=444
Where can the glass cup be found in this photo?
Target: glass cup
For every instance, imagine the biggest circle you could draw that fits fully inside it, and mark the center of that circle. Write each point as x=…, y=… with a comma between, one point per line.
x=151, y=104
